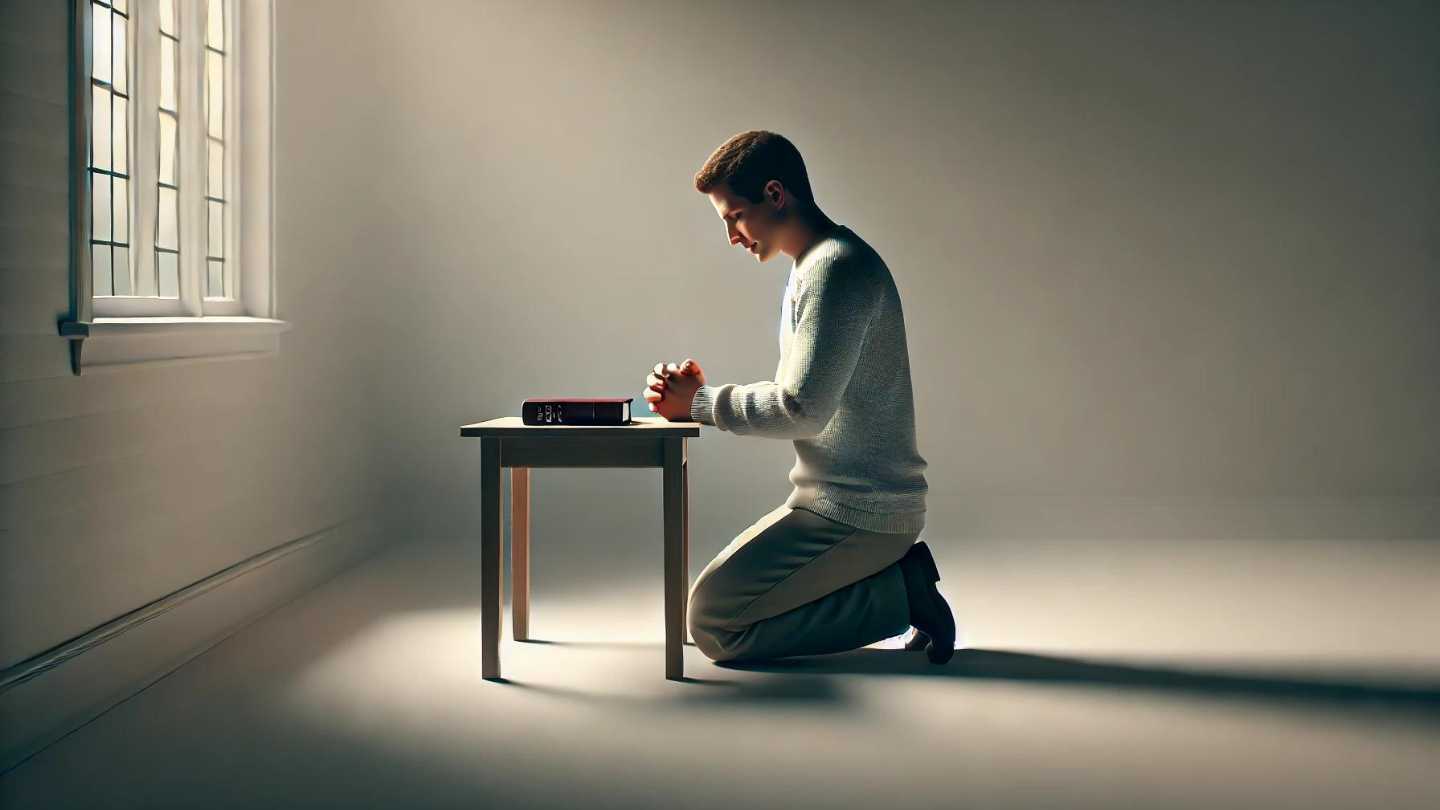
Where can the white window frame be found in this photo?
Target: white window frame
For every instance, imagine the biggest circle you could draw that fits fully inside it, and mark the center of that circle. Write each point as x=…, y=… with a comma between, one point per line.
x=118, y=331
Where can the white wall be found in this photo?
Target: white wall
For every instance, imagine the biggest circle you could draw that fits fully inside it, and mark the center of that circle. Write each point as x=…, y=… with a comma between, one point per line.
x=1166, y=267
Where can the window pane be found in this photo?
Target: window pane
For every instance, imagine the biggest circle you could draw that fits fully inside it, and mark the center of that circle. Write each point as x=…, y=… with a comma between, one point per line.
x=122, y=135
x=168, y=269
x=121, y=272
x=215, y=36
x=167, y=149
x=167, y=16
x=217, y=230
x=100, y=128
x=120, y=6
x=165, y=230
x=100, y=49
x=167, y=74
x=215, y=280
x=100, y=199
x=100, y=265
x=217, y=170
x=215, y=93
x=122, y=209
x=121, y=69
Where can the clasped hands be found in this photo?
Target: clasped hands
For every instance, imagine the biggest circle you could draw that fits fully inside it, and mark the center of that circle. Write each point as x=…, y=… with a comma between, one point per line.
x=671, y=387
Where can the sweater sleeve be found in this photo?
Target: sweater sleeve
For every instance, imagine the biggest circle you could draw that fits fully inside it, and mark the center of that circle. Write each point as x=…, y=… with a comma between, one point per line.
x=840, y=298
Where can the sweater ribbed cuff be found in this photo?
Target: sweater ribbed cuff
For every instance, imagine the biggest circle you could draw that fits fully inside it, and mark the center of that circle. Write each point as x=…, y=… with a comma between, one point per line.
x=702, y=407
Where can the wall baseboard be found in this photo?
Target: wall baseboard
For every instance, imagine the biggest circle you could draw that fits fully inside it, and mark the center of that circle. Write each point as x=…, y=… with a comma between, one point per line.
x=48, y=696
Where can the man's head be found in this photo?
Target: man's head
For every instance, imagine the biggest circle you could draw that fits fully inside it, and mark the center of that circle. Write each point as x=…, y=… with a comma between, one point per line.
x=757, y=182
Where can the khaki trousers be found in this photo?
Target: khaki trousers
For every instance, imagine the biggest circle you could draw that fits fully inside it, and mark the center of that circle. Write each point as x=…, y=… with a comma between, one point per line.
x=796, y=583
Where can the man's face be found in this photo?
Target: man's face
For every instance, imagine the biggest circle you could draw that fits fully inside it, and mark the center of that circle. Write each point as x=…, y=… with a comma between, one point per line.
x=749, y=225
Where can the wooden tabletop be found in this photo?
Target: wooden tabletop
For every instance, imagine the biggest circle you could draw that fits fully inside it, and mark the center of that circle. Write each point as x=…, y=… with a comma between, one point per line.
x=649, y=426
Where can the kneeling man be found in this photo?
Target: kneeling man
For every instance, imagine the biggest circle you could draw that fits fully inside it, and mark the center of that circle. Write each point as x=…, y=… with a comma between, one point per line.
x=837, y=566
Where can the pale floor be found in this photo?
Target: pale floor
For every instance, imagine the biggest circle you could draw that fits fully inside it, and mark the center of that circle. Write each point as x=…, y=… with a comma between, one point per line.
x=1102, y=675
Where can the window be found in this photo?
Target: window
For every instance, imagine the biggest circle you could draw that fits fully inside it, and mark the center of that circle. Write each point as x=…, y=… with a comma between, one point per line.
x=173, y=239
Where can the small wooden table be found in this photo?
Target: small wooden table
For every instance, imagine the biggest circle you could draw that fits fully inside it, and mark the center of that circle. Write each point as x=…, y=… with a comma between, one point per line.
x=508, y=442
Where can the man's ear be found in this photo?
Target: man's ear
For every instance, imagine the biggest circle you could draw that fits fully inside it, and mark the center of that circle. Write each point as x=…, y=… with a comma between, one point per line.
x=775, y=193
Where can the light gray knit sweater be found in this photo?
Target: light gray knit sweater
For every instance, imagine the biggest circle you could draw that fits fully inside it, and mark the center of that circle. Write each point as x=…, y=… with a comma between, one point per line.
x=841, y=392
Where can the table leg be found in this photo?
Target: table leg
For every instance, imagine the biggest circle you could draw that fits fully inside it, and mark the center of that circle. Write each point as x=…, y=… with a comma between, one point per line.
x=520, y=552
x=491, y=597
x=676, y=575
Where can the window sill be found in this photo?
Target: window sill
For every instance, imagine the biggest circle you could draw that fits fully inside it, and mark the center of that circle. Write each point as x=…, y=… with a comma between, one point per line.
x=116, y=343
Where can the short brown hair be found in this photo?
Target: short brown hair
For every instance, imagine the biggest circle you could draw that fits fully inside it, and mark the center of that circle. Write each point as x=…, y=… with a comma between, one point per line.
x=746, y=162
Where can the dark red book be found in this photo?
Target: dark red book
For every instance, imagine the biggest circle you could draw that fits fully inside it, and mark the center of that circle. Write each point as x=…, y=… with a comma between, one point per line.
x=576, y=411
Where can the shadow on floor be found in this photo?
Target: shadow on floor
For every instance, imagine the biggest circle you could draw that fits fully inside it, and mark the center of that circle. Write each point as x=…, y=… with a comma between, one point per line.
x=1415, y=698
x=1309, y=684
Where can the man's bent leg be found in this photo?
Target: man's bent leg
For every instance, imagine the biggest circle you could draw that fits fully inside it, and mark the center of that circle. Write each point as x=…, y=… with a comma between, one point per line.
x=796, y=583
x=858, y=614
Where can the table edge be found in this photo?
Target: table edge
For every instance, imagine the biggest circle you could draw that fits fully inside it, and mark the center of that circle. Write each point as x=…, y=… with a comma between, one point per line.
x=560, y=432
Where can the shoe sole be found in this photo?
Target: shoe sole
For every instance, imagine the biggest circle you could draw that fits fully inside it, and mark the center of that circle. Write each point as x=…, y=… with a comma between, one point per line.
x=921, y=639
x=931, y=574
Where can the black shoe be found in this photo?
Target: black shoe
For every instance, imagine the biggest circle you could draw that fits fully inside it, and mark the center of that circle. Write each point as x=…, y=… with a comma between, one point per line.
x=929, y=612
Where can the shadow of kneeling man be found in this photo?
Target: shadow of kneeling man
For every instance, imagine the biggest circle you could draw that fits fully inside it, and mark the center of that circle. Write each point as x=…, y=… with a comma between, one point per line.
x=1352, y=687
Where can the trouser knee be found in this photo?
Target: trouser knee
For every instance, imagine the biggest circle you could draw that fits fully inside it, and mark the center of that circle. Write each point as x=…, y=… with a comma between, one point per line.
x=711, y=631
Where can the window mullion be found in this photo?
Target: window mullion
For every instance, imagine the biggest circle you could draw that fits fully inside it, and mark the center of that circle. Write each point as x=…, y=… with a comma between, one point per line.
x=191, y=177
x=144, y=150
x=234, y=111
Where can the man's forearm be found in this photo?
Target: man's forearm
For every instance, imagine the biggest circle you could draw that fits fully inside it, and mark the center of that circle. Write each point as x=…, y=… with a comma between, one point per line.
x=758, y=409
